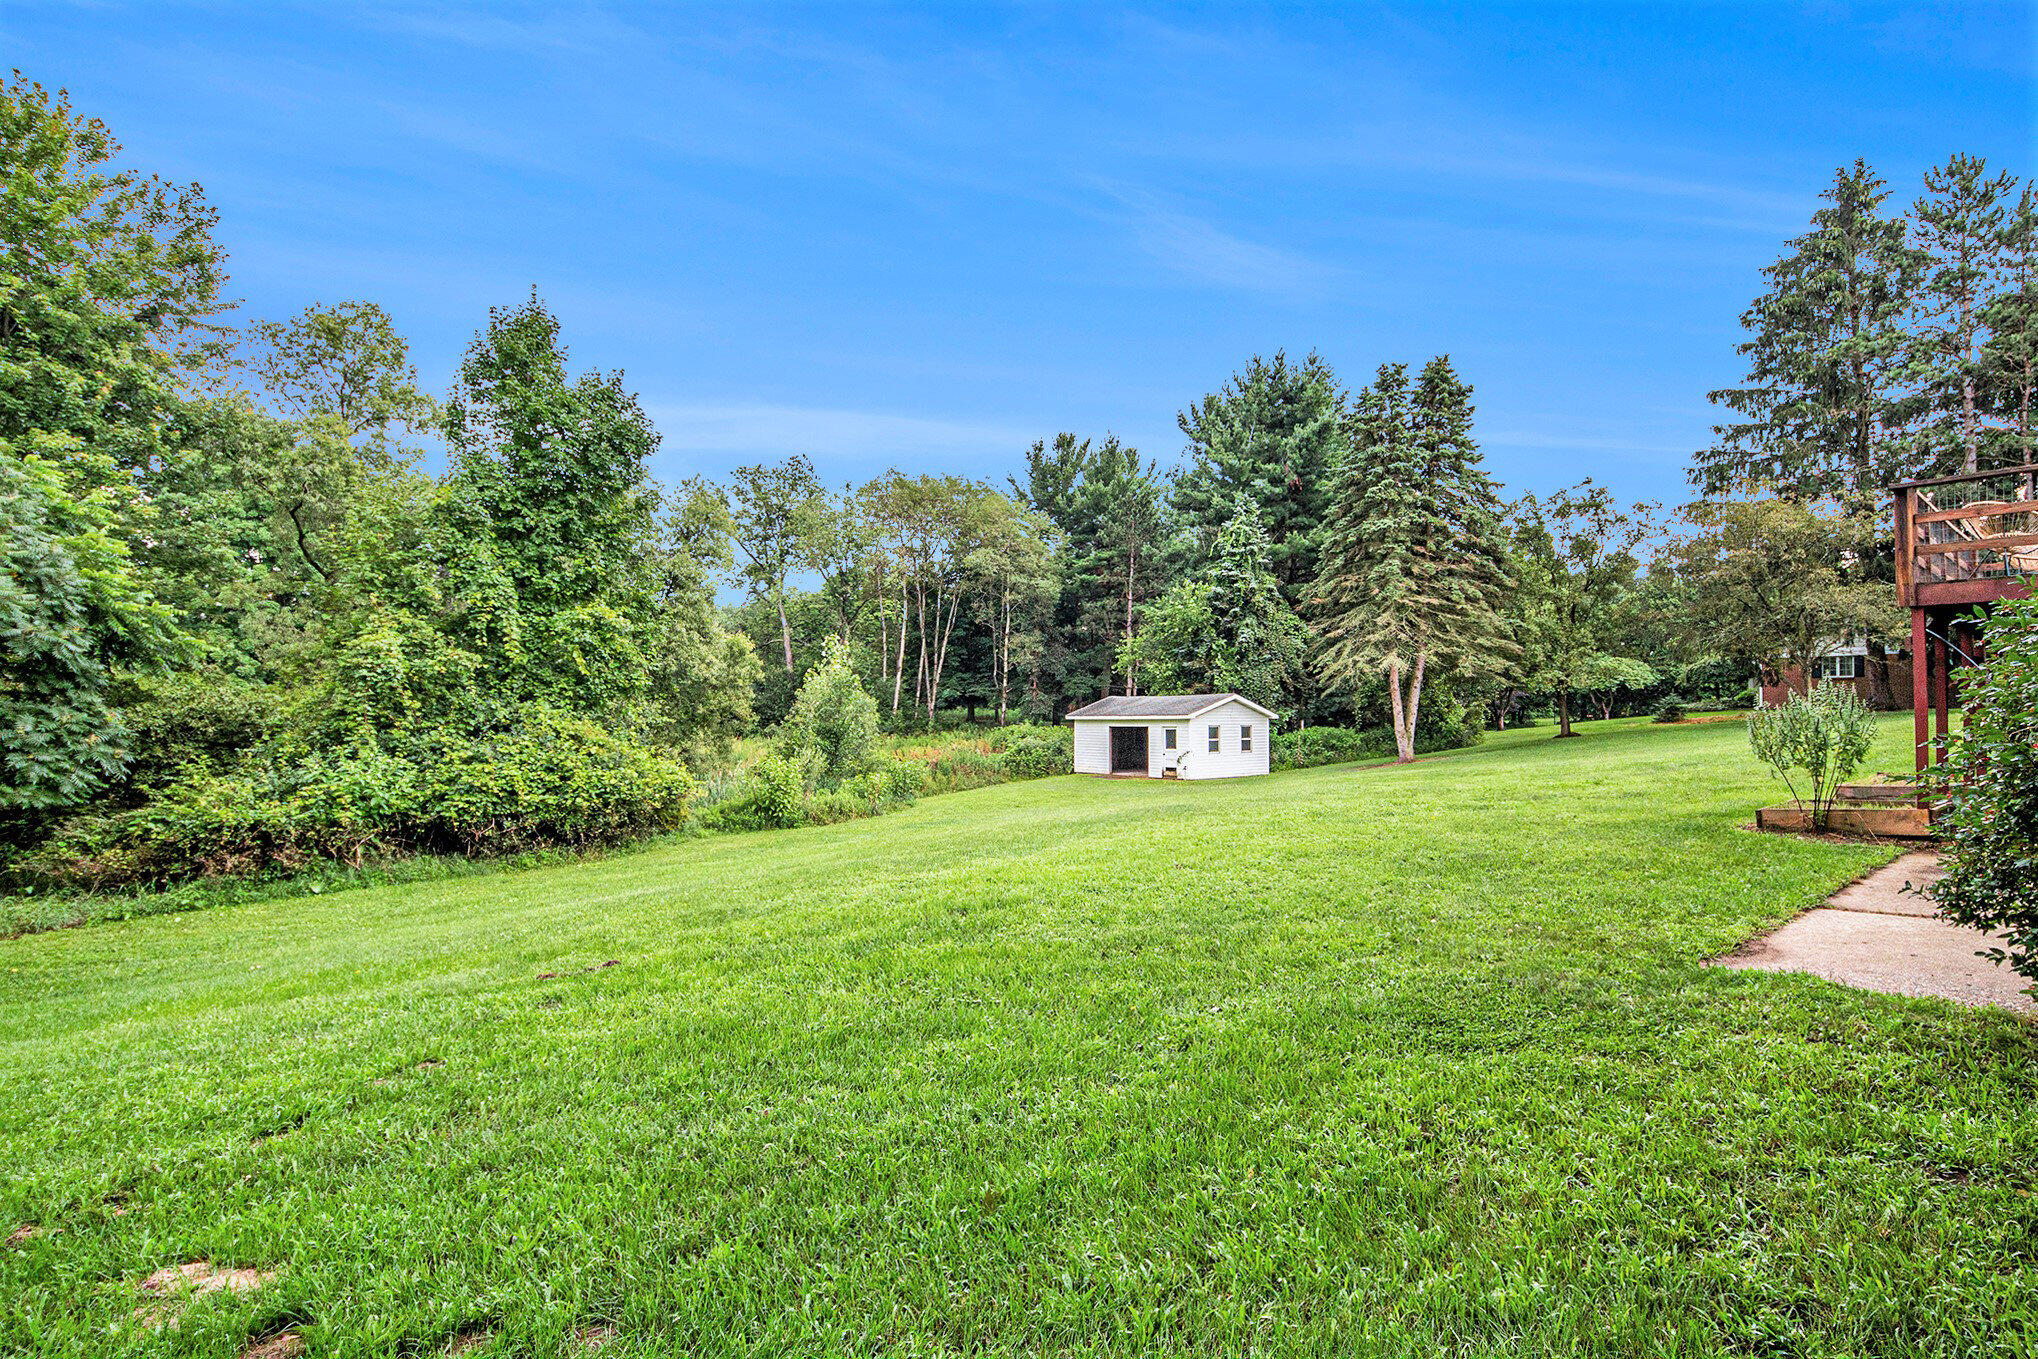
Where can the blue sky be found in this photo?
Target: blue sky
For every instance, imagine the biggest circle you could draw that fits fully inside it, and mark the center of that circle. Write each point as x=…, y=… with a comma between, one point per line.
x=927, y=236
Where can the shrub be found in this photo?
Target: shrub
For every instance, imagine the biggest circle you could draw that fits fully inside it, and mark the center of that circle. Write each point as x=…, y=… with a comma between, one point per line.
x=1824, y=735
x=1040, y=753
x=831, y=731
x=549, y=780
x=1669, y=708
x=837, y=805
x=1990, y=783
x=771, y=795
x=902, y=780
x=190, y=721
x=1319, y=745
x=1002, y=739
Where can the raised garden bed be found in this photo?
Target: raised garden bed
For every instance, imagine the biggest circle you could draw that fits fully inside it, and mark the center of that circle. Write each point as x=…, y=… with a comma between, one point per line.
x=1885, y=820
x=1877, y=791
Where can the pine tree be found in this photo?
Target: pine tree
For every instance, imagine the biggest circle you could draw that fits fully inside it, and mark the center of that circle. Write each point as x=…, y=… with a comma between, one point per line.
x=1959, y=225
x=1413, y=572
x=1227, y=629
x=1273, y=433
x=1826, y=352
x=2010, y=376
x=1110, y=508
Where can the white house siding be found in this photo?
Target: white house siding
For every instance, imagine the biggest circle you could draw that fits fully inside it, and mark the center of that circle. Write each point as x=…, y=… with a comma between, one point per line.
x=1196, y=761
x=1228, y=761
x=1093, y=747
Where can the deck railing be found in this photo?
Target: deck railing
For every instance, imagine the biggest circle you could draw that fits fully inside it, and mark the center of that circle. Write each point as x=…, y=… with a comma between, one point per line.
x=1966, y=539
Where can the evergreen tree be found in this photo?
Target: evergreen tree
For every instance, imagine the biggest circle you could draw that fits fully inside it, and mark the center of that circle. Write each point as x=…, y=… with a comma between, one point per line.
x=1959, y=224
x=1110, y=509
x=1227, y=630
x=1275, y=434
x=2010, y=376
x=1826, y=354
x=1414, y=572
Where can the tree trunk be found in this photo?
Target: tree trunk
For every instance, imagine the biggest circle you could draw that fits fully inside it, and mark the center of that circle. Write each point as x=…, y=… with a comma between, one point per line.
x=1402, y=753
x=1564, y=714
x=785, y=632
x=1414, y=704
x=899, y=669
x=1004, y=654
x=943, y=633
x=1407, y=708
x=1131, y=571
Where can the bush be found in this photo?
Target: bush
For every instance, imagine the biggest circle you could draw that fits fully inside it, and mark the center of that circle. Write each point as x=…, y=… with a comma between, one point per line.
x=192, y=721
x=1002, y=739
x=1669, y=708
x=831, y=731
x=771, y=795
x=551, y=780
x=1320, y=745
x=1041, y=752
x=902, y=780
x=836, y=805
x=1990, y=783
x=1824, y=735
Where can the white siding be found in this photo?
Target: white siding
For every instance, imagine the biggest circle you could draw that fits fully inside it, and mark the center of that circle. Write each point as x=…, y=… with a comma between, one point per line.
x=1191, y=755
x=1093, y=747
x=1228, y=761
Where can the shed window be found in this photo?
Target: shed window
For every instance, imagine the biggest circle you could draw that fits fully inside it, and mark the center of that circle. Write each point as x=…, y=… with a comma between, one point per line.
x=1215, y=743
x=1839, y=667
x=1245, y=736
x=1168, y=739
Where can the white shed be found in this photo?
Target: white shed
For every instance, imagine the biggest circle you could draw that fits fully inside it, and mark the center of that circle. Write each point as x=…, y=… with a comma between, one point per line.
x=1187, y=736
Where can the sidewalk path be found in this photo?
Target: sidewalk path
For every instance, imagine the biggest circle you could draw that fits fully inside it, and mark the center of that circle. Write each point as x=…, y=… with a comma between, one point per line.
x=1875, y=935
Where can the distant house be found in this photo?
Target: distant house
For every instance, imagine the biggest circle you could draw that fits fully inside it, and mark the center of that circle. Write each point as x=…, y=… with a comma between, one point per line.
x=1169, y=736
x=1844, y=664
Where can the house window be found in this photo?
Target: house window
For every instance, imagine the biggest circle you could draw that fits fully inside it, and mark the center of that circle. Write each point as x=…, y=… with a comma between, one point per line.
x=1168, y=739
x=1215, y=744
x=1245, y=737
x=1839, y=667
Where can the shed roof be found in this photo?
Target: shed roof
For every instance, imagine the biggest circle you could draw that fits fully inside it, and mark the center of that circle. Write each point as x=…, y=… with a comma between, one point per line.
x=1161, y=705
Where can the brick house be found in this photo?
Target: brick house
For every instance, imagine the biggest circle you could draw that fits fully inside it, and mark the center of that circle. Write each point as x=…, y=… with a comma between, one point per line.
x=1845, y=665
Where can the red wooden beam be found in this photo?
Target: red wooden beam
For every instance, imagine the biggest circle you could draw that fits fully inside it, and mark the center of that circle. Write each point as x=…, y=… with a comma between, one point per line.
x=1921, y=695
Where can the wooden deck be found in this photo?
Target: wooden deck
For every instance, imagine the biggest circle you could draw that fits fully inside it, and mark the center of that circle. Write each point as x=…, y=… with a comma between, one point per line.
x=1967, y=539
x=1961, y=541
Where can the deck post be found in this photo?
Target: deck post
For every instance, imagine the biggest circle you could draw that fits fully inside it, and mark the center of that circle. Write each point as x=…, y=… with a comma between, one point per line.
x=1921, y=693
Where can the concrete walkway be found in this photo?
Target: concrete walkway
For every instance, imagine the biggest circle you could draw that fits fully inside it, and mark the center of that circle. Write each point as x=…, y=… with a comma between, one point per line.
x=1875, y=935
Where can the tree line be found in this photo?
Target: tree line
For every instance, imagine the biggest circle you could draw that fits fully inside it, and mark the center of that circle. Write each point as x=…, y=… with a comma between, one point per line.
x=234, y=597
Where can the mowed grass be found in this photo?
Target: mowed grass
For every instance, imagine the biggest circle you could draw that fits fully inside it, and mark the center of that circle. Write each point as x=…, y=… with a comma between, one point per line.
x=1344, y=1061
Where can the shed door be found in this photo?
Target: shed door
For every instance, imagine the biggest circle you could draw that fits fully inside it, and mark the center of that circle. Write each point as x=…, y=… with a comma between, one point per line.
x=1128, y=750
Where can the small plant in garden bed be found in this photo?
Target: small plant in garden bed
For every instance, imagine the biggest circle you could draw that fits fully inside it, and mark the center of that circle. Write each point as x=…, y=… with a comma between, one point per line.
x=1816, y=739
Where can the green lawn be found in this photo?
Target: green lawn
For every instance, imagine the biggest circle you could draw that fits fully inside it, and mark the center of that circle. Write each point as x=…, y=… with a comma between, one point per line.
x=1345, y=1061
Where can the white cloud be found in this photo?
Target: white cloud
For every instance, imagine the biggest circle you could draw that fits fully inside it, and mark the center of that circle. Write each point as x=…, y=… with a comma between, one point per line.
x=1200, y=250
